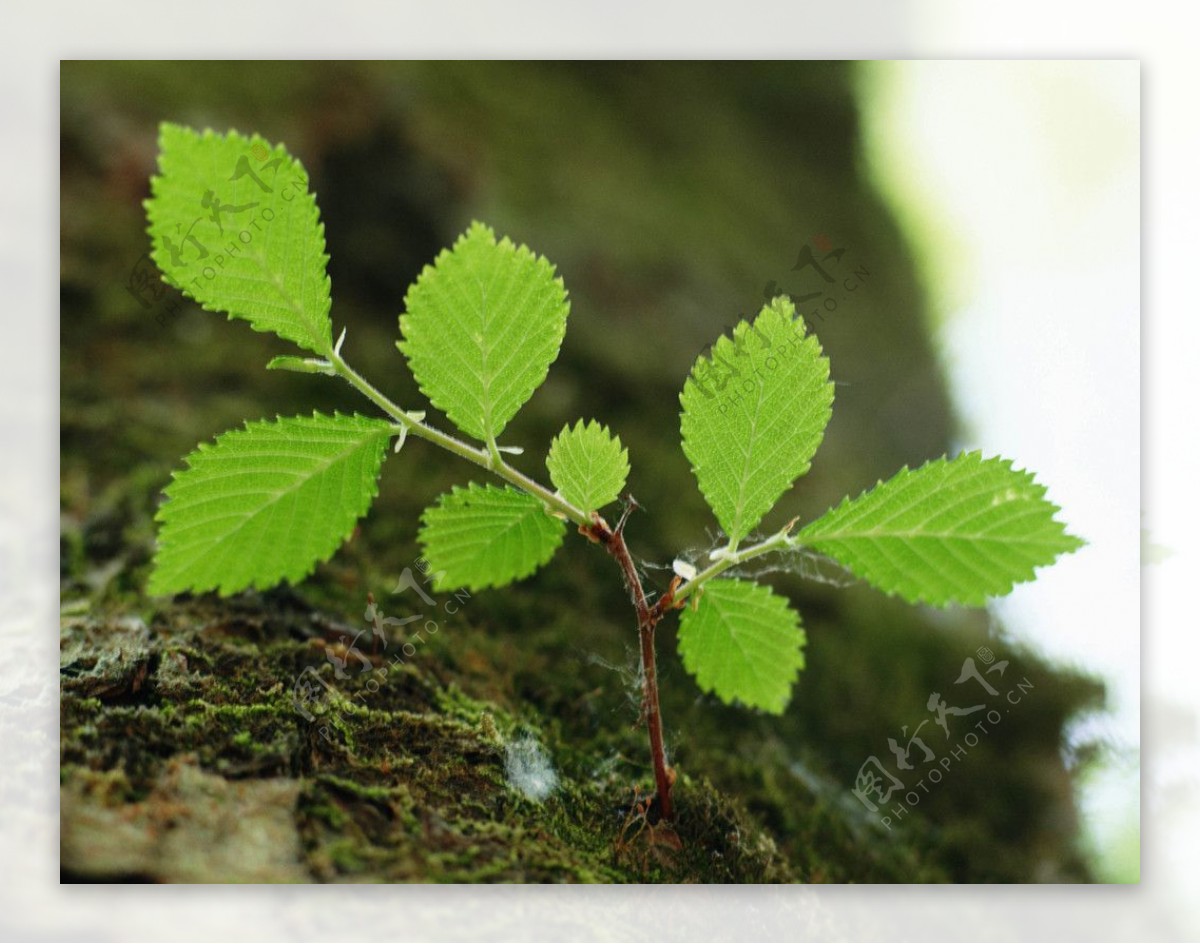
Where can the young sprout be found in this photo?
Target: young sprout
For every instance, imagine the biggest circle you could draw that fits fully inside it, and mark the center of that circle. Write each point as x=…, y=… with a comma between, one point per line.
x=481, y=327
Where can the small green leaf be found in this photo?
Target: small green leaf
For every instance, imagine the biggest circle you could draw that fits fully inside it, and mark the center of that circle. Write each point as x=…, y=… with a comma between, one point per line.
x=743, y=643
x=953, y=531
x=234, y=227
x=588, y=465
x=482, y=327
x=754, y=413
x=487, y=536
x=267, y=503
x=301, y=365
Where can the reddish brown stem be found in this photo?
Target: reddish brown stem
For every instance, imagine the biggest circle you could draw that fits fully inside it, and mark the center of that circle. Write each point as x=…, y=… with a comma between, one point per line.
x=663, y=777
x=648, y=616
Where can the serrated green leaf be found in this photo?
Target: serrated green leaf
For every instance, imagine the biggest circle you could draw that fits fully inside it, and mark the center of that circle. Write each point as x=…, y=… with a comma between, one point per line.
x=487, y=536
x=482, y=327
x=588, y=465
x=234, y=227
x=267, y=503
x=743, y=643
x=754, y=413
x=953, y=531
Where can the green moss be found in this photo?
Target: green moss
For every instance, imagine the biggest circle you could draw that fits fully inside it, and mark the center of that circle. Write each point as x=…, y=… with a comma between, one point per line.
x=405, y=783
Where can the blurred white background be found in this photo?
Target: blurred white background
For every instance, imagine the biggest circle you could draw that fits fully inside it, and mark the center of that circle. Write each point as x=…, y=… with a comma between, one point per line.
x=1018, y=182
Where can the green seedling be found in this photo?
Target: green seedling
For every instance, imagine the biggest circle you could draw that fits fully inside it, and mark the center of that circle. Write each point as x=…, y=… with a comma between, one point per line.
x=235, y=227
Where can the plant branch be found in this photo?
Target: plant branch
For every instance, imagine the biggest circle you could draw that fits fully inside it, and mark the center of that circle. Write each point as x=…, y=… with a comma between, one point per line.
x=728, y=558
x=485, y=458
x=613, y=540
